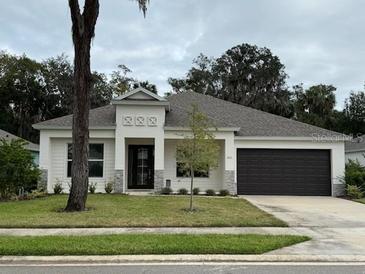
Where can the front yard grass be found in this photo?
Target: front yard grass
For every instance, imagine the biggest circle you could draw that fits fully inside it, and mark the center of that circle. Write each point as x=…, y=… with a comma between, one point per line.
x=134, y=211
x=144, y=244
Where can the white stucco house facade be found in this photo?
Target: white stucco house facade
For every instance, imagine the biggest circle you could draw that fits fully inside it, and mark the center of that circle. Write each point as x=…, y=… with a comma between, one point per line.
x=355, y=150
x=133, y=143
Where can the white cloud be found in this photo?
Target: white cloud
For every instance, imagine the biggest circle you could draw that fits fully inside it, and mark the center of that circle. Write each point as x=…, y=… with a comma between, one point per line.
x=318, y=41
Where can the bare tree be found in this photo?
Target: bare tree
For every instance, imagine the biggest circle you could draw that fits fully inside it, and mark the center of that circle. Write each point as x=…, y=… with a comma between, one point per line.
x=83, y=31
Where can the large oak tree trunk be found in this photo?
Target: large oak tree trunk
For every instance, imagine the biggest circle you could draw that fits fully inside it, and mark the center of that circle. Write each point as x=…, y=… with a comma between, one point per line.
x=83, y=27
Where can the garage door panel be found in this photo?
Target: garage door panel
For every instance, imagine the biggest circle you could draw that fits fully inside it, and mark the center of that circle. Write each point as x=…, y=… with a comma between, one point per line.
x=283, y=171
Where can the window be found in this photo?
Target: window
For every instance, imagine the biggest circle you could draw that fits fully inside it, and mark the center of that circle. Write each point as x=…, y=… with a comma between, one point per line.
x=197, y=174
x=96, y=160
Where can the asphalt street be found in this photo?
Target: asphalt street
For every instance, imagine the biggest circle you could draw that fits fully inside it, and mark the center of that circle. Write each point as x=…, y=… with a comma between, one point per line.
x=188, y=268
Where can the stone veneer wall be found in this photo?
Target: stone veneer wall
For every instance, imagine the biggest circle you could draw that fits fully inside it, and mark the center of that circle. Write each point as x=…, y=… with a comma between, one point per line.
x=158, y=180
x=338, y=190
x=229, y=182
x=42, y=182
x=118, y=181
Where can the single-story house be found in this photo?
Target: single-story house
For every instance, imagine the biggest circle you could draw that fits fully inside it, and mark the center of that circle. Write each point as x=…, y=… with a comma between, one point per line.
x=133, y=144
x=33, y=148
x=355, y=150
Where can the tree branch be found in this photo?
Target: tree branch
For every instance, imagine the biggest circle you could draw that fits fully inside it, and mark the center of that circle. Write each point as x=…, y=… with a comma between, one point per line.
x=77, y=22
x=90, y=15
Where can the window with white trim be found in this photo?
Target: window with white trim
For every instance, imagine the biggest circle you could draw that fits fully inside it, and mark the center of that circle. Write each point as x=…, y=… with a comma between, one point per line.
x=96, y=160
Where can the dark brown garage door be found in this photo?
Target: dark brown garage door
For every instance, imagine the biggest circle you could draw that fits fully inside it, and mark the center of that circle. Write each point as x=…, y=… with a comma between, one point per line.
x=283, y=172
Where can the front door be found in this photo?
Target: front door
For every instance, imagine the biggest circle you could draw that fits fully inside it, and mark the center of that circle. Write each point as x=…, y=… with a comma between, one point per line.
x=140, y=166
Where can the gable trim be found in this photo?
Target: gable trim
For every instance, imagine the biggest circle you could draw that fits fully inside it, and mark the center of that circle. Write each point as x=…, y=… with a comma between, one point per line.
x=140, y=89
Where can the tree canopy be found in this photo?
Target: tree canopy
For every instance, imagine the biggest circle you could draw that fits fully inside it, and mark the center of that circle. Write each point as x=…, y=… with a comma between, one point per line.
x=32, y=91
x=245, y=74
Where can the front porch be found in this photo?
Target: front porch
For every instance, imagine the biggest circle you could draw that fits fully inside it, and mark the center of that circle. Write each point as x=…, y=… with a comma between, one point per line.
x=149, y=165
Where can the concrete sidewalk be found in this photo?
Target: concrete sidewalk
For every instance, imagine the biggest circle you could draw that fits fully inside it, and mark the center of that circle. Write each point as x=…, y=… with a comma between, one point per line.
x=160, y=230
x=186, y=259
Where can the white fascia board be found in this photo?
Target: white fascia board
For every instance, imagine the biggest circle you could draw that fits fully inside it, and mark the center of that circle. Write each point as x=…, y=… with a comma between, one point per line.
x=289, y=138
x=140, y=89
x=211, y=129
x=70, y=127
x=355, y=150
x=143, y=103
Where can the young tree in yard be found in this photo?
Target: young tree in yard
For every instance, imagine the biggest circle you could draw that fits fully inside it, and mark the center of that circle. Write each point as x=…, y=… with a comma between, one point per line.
x=83, y=31
x=17, y=168
x=198, y=152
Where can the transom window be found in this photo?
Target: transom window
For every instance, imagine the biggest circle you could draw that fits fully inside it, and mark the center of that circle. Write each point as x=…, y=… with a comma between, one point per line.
x=197, y=174
x=96, y=160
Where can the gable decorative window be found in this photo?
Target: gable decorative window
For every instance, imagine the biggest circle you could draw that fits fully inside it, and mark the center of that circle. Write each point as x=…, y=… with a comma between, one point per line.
x=96, y=160
x=197, y=174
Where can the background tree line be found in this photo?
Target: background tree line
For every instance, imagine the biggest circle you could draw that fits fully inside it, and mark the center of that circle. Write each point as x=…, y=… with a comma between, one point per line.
x=32, y=91
x=254, y=77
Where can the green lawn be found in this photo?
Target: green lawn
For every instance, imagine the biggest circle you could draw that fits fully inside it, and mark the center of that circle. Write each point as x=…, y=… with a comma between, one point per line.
x=144, y=244
x=135, y=211
x=362, y=200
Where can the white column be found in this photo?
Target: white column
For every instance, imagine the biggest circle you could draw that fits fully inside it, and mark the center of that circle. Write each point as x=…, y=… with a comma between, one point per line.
x=120, y=185
x=230, y=164
x=159, y=154
x=45, y=161
x=159, y=163
x=119, y=152
x=230, y=153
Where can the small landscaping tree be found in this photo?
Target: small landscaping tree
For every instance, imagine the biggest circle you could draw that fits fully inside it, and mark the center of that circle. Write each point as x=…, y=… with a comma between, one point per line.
x=17, y=169
x=198, y=152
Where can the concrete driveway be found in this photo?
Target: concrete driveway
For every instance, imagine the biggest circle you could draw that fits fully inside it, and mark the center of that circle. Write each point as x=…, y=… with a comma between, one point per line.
x=337, y=226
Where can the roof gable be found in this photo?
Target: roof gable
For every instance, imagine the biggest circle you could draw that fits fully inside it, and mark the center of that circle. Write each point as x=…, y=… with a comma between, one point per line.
x=140, y=93
x=141, y=96
x=7, y=136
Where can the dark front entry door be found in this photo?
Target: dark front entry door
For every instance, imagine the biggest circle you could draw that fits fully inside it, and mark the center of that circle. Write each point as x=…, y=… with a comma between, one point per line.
x=140, y=166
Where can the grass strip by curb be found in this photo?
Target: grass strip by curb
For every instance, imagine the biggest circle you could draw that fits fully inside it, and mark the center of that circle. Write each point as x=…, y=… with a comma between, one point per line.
x=133, y=244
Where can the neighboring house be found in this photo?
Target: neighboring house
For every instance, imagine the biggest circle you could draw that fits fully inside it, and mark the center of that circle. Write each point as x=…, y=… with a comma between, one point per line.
x=355, y=149
x=33, y=148
x=133, y=143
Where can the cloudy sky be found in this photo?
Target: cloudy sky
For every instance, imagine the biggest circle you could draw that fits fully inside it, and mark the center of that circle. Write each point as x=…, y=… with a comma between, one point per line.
x=319, y=41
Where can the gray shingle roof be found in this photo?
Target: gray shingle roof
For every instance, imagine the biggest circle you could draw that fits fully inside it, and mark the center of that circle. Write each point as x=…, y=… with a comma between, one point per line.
x=8, y=137
x=251, y=122
x=98, y=117
x=357, y=144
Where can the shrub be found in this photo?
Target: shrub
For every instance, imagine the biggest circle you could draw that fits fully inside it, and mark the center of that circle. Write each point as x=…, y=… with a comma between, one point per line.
x=57, y=188
x=166, y=191
x=355, y=174
x=354, y=192
x=17, y=170
x=109, y=187
x=37, y=194
x=182, y=191
x=224, y=192
x=210, y=192
x=92, y=188
x=196, y=190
